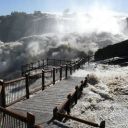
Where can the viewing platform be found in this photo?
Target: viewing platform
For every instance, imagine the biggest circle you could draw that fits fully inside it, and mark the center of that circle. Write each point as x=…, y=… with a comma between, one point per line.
x=43, y=103
x=29, y=101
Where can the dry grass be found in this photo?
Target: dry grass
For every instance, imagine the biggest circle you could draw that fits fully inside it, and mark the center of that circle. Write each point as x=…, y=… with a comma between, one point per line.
x=93, y=79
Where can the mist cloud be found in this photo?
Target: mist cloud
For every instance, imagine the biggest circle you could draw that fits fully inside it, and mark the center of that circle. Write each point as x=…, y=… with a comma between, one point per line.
x=74, y=33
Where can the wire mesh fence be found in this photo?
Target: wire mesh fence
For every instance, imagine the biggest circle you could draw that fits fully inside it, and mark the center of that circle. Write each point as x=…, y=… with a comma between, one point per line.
x=9, y=119
x=14, y=90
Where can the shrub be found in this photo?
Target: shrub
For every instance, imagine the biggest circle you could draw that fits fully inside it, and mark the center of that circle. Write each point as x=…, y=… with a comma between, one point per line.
x=92, y=79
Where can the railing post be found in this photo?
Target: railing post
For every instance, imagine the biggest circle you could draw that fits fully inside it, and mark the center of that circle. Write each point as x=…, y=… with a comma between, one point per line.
x=85, y=82
x=68, y=109
x=102, y=124
x=66, y=71
x=31, y=120
x=60, y=72
x=2, y=96
x=76, y=94
x=81, y=86
x=53, y=75
x=55, y=110
x=27, y=85
x=43, y=80
x=22, y=70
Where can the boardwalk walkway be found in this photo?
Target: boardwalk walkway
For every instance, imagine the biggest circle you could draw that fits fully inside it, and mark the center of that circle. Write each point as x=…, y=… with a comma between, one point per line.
x=43, y=102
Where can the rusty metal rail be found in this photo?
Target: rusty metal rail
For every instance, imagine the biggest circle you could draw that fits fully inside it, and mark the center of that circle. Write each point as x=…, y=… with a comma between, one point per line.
x=101, y=125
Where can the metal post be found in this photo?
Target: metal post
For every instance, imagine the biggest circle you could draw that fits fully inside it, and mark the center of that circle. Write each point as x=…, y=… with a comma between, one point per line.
x=27, y=85
x=43, y=80
x=82, y=86
x=68, y=109
x=76, y=94
x=102, y=124
x=66, y=71
x=30, y=120
x=55, y=110
x=2, y=96
x=22, y=70
x=85, y=82
x=53, y=75
x=60, y=72
x=79, y=120
x=78, y=65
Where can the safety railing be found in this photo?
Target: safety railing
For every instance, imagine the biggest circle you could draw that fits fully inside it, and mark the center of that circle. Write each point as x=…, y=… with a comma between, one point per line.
x=27, y=68
x=9, y=119
x=18, y=89
x=62, y=71
x=48, y=77
x=72, y=98
x=57, y=73
x=41, y=64
x=12, y=91
x=34, y=82
x=59, y=112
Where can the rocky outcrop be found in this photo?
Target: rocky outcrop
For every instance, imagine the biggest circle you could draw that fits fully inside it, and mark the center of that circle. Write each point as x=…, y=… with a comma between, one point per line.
x=116, y=50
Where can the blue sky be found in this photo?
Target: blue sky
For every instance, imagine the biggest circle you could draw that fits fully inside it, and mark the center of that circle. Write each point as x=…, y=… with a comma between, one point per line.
x=29, y=6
